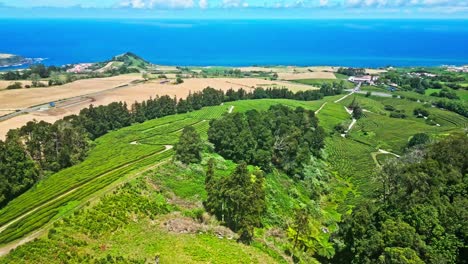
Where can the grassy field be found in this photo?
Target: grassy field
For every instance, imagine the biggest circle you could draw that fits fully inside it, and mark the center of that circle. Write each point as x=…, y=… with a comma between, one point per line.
x=318, y=82
x=463, y=94
x=331, y=115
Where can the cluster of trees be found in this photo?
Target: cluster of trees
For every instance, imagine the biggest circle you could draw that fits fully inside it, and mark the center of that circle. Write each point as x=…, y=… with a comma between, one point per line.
x=15, y=85
x=351, y=71
x=35, y=150
x=446, y=93
x=459, y=107
x=420, y=84
x=326, y=89
x=420, y=214
x=34, y=70
x=237, y=200
x=281, y=137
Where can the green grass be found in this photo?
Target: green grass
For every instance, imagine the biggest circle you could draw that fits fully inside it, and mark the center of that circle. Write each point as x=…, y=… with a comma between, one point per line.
x=331, y=115
x=382, y=158
x=319, y=82
x=341, y=76
x=391, y=134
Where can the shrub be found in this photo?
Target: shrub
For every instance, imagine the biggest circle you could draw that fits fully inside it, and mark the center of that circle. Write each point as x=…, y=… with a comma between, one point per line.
x=389, y=108
x=15, y=85
x=397, y=115
x=421, y=112
x=418, y=139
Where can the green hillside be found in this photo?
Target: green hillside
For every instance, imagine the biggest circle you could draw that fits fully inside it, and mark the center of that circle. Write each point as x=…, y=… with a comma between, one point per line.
x=129, y=201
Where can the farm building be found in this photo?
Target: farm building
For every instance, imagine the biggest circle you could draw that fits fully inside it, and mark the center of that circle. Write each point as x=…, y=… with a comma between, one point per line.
x=363, y=79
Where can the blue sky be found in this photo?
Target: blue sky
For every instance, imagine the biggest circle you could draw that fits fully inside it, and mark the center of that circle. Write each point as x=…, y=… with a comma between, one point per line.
x=237, y=8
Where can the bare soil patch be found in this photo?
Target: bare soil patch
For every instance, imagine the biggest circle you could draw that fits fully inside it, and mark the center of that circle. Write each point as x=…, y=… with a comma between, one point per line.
x=306, y=75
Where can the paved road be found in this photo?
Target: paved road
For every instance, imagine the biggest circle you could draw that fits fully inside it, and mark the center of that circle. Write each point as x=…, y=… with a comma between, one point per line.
x=380, y=94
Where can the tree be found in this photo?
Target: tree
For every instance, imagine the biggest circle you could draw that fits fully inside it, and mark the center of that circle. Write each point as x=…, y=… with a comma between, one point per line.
x=189, y=148
x=35, y=79
x=15, y=85
x=418, y=139
x=238, y=200
x=357, y=112
x=179, y=80
x=145, y=76
x=299, y=228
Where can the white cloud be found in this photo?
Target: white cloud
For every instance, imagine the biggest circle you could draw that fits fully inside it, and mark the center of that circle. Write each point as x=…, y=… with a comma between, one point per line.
x=158, y=3
x=401, y=3
x=203, y=4
x=234, y=3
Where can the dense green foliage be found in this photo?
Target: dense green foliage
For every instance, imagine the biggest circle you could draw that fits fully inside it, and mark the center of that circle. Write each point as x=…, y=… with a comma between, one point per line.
x=188, y=149
x=40, y=70
x=38, y=149
x=237, y=200
x=419, y=139
x=351, y=71
x=420, y=213
x=18, y=172
x=280, y=137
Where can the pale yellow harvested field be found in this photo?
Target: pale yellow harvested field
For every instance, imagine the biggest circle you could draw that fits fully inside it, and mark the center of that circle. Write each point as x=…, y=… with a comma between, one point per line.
x=375, y=71
x=166, y=68
x=306, y=75
x=21, y=120
x=290, y=69
x=5, y=84
x=5, y=55
x=142, y=92
x=22, y=98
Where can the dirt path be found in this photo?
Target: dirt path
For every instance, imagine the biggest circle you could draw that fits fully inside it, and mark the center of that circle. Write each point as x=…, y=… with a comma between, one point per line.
x=321, y=107
x=350, y=112
x=381, y=151
x=356, y=89
x=8, y=247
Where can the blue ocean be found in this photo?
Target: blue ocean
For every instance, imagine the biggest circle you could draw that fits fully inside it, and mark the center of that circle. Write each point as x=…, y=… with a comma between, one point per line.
x=358, y=43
